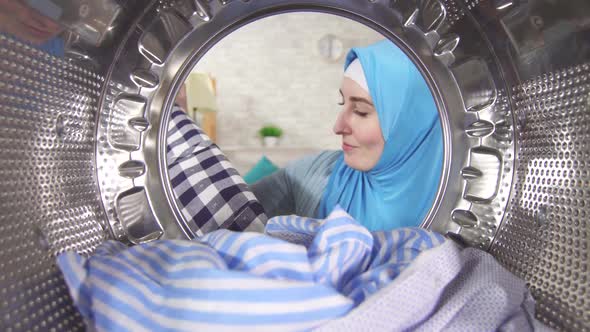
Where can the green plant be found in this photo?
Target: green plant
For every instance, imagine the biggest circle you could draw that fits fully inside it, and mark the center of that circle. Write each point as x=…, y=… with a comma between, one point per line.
x=270, y=131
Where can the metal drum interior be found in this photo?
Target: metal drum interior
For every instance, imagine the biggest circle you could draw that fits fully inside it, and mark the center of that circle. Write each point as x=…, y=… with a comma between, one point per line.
x=81, y=135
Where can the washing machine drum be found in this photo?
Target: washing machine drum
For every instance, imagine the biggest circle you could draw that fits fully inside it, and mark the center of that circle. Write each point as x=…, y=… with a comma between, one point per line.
x=82, y=139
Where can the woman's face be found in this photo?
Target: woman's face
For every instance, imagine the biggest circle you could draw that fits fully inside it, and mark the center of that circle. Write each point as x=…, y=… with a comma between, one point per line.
x=358, y=124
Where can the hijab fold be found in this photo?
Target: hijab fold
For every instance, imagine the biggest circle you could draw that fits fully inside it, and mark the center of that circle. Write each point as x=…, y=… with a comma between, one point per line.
x=400, y=189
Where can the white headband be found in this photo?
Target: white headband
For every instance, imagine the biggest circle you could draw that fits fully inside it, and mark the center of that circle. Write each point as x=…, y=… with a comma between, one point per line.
x=355, y=72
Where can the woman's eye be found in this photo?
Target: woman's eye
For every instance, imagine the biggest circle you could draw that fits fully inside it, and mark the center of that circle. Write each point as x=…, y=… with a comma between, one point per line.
x=360, y=113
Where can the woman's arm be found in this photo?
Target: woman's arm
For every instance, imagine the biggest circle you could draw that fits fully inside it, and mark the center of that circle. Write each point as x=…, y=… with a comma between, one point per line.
x=275, y=194
x=297, y=188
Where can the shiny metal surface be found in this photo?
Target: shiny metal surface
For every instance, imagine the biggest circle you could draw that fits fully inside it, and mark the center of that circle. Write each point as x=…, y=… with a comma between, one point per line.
x=138, y=221
x=124, y=118
x=543, y=238
x=546, y=235
x=89, y=22
x=511, y=79
x=469, y=80
x=48, y=194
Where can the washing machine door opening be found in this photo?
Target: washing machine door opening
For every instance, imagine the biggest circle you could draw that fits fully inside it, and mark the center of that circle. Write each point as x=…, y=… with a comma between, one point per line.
x=86, y=122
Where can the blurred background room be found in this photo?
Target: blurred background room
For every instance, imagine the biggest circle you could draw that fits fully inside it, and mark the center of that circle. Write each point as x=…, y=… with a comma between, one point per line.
x=256, y=82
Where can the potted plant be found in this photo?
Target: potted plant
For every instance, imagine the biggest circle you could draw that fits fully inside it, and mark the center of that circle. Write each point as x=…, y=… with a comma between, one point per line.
x=270, y=135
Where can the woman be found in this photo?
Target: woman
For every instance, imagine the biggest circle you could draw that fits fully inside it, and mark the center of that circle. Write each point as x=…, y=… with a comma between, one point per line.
x=387, y=174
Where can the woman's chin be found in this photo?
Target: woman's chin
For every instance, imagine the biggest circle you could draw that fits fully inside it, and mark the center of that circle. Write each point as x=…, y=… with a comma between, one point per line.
x=352, y=162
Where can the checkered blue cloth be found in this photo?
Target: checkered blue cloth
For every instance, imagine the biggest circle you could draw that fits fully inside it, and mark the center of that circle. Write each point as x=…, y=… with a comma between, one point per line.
x=300, y=275
x=210, y=192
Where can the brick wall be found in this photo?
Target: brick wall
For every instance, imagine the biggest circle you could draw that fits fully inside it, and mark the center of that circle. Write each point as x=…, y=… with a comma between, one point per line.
x=270, y=71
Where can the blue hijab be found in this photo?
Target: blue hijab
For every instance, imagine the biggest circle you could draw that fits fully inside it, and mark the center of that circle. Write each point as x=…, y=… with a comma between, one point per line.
x=400, y=189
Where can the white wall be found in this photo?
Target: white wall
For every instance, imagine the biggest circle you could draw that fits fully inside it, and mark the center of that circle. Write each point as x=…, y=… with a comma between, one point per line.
x=270, y=71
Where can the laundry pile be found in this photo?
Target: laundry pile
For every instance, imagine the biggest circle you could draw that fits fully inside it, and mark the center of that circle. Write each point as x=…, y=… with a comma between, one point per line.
x=302, y=274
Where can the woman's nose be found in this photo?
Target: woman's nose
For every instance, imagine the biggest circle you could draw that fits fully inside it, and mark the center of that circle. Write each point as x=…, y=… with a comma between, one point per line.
x=341, y=126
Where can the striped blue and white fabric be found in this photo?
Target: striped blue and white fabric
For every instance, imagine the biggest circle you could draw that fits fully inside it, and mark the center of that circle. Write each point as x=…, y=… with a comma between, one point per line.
x=299, y=275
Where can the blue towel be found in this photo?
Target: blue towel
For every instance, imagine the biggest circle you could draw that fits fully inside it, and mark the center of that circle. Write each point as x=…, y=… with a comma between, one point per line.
x=302, y=273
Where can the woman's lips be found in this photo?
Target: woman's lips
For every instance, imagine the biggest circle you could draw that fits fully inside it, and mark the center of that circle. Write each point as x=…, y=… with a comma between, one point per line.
x=347, y=147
